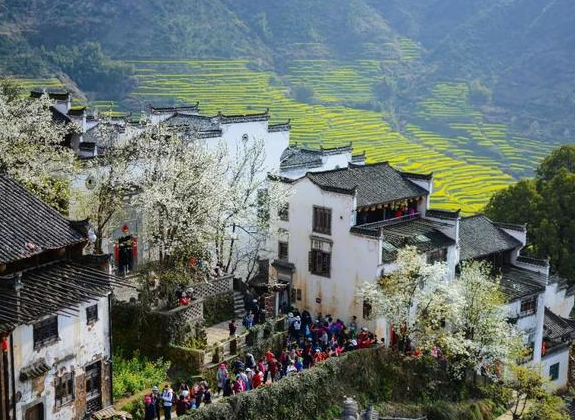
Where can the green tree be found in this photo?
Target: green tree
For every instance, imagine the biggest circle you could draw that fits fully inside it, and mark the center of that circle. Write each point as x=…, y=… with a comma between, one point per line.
x=547, y=205
x=530, y=399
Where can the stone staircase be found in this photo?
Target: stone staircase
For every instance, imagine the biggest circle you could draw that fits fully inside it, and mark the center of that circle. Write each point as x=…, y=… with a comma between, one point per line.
x=239, y=307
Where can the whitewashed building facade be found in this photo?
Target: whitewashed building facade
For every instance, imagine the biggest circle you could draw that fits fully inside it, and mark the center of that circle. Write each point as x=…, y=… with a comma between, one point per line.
x=344, y=226
x=54, y=314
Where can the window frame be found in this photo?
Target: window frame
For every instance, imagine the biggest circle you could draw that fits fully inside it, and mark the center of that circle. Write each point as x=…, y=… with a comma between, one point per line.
x=92, y=318
x=554, y=371
x=528, y=306
x=64, y=389
x=282, y=257
x=45, y=332
x=321, y=220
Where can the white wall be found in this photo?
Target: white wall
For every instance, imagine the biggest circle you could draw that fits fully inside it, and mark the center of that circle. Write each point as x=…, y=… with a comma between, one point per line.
x=561, y=357
x=531, y=322
x=329, y=162
x=558, y=301
x=354, y=260
x=79, y=344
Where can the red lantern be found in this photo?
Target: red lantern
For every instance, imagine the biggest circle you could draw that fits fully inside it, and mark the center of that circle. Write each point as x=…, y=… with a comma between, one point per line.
x=125, y=228
x=4, y=343
x=193, y=262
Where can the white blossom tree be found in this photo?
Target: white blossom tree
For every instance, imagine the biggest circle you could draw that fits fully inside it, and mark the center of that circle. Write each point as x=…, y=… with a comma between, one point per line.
x=31, y=146
x=412, y=298
x=466, y=319
x=480, y=339
x=249, y=206
x=180, y=188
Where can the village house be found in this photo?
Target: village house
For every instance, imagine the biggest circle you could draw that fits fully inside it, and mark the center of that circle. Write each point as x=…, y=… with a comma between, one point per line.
x=343, y=226
x=218, y=130
x=54, y=315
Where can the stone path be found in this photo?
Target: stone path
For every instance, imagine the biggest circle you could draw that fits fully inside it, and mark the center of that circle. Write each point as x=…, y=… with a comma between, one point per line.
x=220, y=332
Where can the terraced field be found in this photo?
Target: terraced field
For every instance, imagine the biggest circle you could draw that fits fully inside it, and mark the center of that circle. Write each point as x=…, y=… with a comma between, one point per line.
x=469, y=166
x=470, y=158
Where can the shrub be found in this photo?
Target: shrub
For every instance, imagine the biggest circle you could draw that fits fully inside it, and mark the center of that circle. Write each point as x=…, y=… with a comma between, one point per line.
x=137, y=373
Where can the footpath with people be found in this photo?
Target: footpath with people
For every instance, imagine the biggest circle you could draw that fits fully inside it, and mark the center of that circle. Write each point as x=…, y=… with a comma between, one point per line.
x=307, y=343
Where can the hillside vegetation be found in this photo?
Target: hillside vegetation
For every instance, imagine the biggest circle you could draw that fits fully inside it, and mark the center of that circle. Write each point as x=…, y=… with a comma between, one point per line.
x=476, y=91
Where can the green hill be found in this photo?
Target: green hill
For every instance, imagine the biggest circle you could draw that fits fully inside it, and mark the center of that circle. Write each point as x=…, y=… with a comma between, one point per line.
x=477, y=91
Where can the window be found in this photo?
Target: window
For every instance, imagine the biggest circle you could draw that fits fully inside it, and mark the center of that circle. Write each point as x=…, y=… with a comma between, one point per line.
x=298, y=294
x=528, y=306
x=283, y=251
x=554, y=372
x=322, y=220
x=92, y=314
x=45, y=332
x=35, y=412
x=64, y=389
x=283, y=212
x=93, y=380
x=439, y=255
x=366, y=309
x=320, y=258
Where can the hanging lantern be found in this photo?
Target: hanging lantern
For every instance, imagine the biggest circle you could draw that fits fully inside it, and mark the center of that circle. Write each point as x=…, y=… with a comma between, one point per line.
x=125, y=228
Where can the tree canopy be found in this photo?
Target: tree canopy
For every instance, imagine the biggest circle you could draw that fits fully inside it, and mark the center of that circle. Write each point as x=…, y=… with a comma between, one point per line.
x=547, y=205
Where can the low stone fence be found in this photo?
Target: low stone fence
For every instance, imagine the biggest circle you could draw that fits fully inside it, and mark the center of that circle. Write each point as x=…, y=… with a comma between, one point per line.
x=214, y=287
x=197, y=360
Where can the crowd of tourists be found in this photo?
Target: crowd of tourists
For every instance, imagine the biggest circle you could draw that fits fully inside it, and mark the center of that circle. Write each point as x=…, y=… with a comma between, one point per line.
x=307, y=343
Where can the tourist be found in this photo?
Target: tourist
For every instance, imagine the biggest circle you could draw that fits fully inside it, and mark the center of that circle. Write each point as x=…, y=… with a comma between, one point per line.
x=182, y=406
x=221, y=377
x=157, y=401
x=198, y=395
x=232, y=327
x=291, y=369
x=207, y=395
x=250, y=361
x=149, y=408
x=245, y=382
x=167, y=399
x=237, y=386
x=184, y=388
x=228, y=388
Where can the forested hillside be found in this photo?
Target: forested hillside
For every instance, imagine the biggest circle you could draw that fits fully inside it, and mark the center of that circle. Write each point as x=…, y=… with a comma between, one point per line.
x=476, y=91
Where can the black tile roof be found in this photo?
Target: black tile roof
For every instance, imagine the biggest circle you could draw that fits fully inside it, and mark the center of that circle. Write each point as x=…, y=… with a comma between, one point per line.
x=557, y=328
x=479, y=236
x=412, y=232
x=517, y=283
x=232, y=119
x=511, y=226
x=443, y=214
x=28, y=226
x=59, y=117
x=168, y=109
x=533, y=261
x=274, y=128
x=53, y=93
x=375, y=183
x=55, y=288
x=194, y=122
x=358, y=157
x=295, y=157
